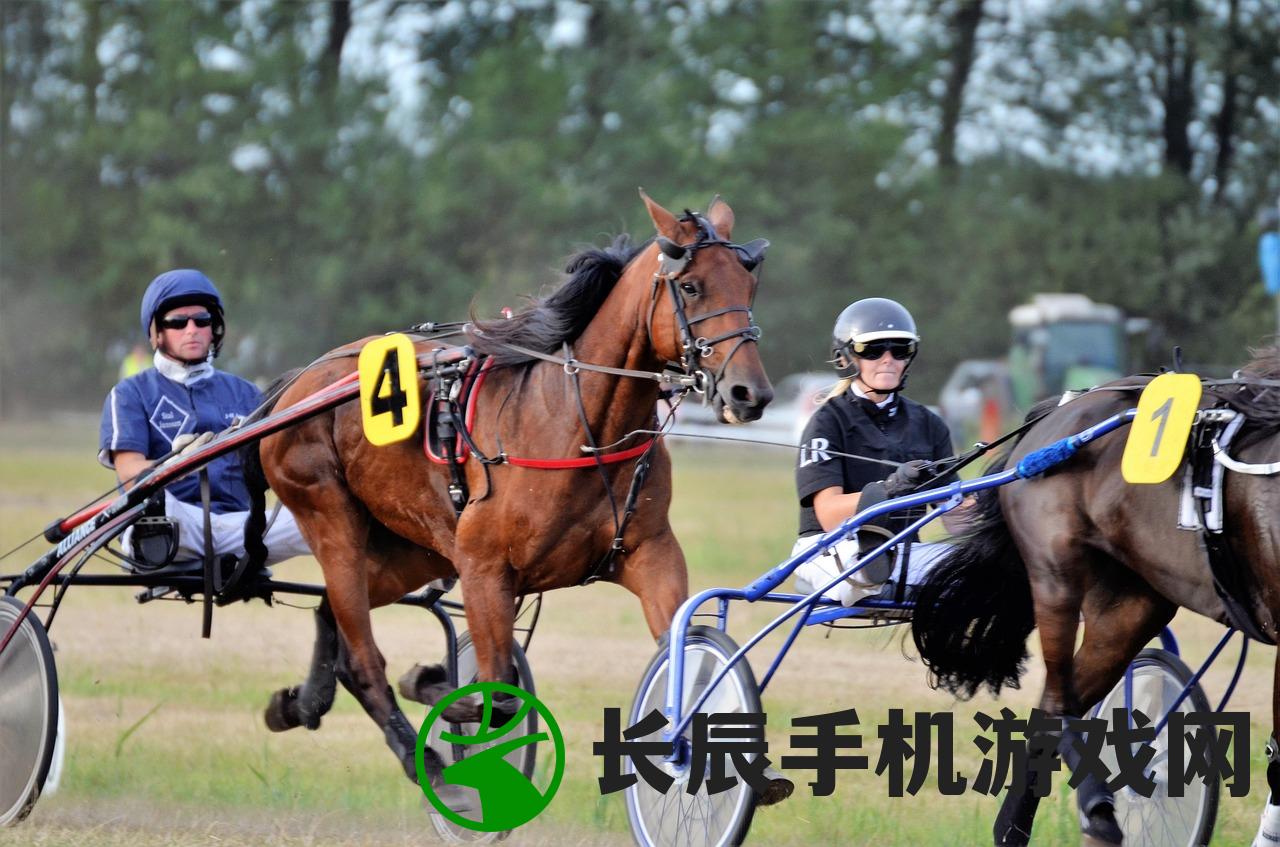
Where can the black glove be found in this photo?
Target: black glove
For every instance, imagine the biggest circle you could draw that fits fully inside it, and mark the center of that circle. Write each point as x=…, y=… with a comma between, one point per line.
x=905, y=479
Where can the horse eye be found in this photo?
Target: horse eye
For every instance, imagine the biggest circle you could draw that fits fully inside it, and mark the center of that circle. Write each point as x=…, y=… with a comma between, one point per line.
x=690, y=288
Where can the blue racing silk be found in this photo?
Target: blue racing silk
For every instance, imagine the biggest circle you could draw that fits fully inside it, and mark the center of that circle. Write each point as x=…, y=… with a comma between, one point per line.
x=146, y=412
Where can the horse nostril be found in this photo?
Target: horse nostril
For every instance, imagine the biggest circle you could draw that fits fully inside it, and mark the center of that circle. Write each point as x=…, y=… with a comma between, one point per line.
x=754, y=398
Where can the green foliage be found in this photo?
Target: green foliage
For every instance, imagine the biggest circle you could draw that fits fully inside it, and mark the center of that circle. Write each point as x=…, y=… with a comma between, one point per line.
x=330, y=200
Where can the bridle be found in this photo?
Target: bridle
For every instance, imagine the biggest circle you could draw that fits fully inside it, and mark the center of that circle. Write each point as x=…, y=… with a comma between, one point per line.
x=673, y=263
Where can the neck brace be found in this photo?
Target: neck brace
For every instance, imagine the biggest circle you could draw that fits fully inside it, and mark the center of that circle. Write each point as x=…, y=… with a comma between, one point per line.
x=182, y=373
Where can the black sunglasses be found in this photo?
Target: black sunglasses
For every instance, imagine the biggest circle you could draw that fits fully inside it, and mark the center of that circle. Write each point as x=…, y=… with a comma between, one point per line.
x=872, y=350
x=202, y=319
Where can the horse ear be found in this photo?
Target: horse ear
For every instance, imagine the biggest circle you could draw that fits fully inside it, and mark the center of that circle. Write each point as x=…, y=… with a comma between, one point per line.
x=664, y=221
x=721, y=217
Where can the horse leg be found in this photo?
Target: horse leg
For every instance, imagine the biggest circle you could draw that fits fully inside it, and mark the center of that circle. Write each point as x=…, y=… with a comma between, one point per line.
x=359, y=559
x=1269, y=826
x=656, y=573
x=363, y=672
x=1118, y=623
x=491, y=610
x=304, y=705
x=1121, y=614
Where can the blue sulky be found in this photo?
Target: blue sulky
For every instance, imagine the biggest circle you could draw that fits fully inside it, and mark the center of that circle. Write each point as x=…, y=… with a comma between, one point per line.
x=814, y=608
x=1156, y=680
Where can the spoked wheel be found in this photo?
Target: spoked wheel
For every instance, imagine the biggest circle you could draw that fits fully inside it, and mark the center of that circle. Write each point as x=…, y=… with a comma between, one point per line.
x=521, y=758
x=675, y=817
x=1161, y=820
x=28, y=712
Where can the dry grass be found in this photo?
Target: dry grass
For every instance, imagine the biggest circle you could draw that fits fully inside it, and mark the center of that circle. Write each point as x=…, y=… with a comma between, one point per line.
x=203, y=770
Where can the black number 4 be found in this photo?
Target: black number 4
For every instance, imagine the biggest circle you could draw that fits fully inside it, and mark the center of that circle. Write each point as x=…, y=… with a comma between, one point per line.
x=396, y=398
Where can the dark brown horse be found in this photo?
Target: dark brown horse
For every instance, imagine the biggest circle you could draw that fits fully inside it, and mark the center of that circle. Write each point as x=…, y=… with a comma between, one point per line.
x=380, y=519
x=1080, y=542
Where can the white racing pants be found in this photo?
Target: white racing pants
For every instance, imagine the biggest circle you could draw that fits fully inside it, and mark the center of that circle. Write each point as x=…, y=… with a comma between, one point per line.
x=283, y=539
x=825, y=567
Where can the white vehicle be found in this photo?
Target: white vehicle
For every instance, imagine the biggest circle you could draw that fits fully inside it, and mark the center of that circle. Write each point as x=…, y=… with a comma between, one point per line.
x=795, y=399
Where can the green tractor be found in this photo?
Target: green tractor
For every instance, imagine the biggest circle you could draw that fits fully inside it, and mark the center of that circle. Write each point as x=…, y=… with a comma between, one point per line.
x=1060, y=342
x=1064, y=342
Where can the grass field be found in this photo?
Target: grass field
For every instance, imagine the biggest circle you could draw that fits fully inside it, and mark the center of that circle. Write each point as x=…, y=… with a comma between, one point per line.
x=166, y=743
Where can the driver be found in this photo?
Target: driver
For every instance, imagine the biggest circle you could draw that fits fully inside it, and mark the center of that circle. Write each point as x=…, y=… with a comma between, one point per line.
x=182, y=397
x=865, y=415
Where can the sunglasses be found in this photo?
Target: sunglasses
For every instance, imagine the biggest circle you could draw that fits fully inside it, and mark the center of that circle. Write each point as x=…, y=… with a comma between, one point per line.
x=872, y=350
x=202, y=319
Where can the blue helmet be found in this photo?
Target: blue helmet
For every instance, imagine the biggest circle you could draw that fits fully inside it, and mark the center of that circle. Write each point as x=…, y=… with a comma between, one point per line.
x=183, y=287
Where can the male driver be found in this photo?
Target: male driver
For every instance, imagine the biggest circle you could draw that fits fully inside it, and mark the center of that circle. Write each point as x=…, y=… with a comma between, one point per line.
x=166, y=406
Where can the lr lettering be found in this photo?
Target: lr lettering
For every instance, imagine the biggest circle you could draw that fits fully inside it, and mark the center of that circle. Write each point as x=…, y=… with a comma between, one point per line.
x=815, y=452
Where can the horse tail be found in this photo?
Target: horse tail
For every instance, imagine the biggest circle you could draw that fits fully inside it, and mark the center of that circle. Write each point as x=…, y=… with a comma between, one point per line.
x=255, y=478
x=974, y=612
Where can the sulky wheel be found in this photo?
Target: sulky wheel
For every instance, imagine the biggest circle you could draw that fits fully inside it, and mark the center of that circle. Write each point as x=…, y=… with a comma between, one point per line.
x=1161, y=820
x=521, y=758
x=28, y=712
x=674, y=817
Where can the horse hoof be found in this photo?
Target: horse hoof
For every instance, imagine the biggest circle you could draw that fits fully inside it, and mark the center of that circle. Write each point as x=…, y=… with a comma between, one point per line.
x=779, y=788
x=421, y=681
x=466, y=710
x=455, y=799
x=471, y=710
x=1099, y=829
x=282, y=712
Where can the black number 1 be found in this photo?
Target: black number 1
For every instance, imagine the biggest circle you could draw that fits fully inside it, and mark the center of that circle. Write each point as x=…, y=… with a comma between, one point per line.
x=1163, y=414
x=396, y=398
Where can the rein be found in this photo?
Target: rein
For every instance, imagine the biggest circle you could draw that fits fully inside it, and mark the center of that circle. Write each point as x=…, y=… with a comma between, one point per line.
x=572, y=366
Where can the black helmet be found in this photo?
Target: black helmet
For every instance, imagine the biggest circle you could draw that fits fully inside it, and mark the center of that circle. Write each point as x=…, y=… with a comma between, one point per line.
x=866, y=321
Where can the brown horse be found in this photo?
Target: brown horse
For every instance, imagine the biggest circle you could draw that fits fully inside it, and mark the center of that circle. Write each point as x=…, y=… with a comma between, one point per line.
x=1079, y=542
x=380, y=519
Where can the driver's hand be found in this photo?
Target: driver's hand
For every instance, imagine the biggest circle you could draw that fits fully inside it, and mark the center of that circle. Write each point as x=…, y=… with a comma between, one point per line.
x=189, y=442
x=905, y=479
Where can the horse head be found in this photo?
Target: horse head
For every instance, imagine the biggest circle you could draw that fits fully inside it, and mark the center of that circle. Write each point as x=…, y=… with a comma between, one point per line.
x=700, y=307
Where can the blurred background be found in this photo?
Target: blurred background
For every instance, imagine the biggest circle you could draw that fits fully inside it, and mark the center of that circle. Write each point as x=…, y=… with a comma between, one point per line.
x=1059, y=191
x=343, y=168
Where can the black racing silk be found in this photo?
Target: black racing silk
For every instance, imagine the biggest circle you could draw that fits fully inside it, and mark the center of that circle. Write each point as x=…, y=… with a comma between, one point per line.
x=902, y=431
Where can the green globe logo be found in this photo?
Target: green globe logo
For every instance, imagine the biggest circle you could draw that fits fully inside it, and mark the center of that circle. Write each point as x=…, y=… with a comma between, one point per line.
x=508, y=798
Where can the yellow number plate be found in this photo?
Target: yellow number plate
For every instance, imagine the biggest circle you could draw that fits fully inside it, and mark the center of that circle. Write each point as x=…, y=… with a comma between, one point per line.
x=389, y=398
x=1159, y=433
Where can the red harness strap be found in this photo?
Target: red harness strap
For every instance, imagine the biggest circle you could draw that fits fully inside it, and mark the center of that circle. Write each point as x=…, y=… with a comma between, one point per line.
x=585, y=462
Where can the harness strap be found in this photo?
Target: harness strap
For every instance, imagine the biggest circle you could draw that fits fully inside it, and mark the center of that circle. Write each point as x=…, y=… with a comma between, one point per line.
x=604, y=567
x=447, y=424
x=585, y=462
x=1221, y=457
x=570, y=365
x=1229, y=580
x=206, y=623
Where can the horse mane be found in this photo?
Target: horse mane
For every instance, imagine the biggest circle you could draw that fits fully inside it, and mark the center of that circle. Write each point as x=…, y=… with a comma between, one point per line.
x=1265, y=363
x=1259, y=403
x=562, y=315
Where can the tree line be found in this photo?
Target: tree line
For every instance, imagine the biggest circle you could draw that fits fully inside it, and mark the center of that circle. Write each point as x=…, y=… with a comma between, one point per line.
x=342, y=168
